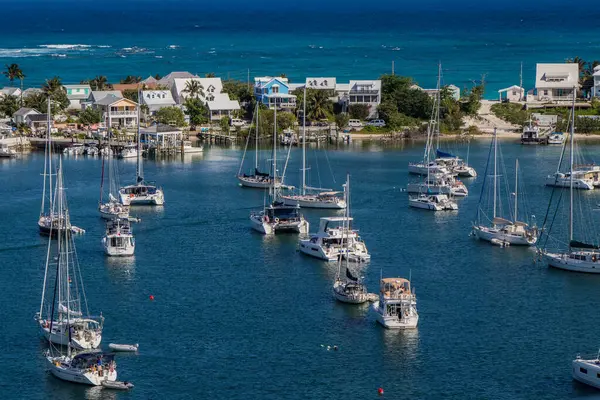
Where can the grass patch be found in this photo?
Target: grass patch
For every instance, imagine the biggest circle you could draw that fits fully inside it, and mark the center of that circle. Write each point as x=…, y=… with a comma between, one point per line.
x=510, y=112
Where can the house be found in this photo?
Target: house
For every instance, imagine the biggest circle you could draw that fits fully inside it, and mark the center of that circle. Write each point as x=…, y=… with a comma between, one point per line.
x=512, y=94
x=126, y=86
x=157, y=99
x=10, y=91
x=76, y=95
x=31, y=91
x=453, y=89
x=556, y=82
x=219, y=103
x=37, y=121
x=596, y=87
x=22, y=113
x=97, y=95
x=360, y=92
x=168, y=80
x=117, y=110
x=150, y=82
x=274, y=92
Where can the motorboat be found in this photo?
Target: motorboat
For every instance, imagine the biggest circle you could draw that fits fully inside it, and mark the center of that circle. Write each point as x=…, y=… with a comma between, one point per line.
x=89, y=368
x=92, y=151
x=556, y=138
x=129, y=151
x=587, y=370
x=189, y=149
x=76, y=149
x=6, y=151
x=118, y=240
x=278, y=218
x=106, y=151
x=531, y=134
x=436, y=202
x=397, y=304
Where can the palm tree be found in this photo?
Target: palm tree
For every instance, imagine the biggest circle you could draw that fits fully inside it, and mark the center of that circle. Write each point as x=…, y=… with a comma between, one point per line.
x=194, y=89
x=131, y=79
x=317, y=104
x=13, y=71
x=210, y=75
x=99, y=83
x=52, y=86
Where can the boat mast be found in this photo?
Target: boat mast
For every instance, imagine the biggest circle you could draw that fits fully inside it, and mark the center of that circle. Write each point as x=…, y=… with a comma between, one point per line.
x=274, y=149
x=139, y=172
x=571, y=172
x=437, y=105
x=304, y=143
x=516, y=188
x=256, y=138
x=495, y=169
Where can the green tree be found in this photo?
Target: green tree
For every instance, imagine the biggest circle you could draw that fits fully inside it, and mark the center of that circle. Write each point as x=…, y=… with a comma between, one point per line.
x=13, y=71
x=243, y=93
x=131, y=94
x=341, y=120
x=131, y=79
x=451, y=116
x=473, y=100
x=52, y=86
x=224, y=124
x=409, y=100
x=100, y=83
x=194, y=89
x=89, y=116
x=171, y=116
x=210, y=75
x=285, y=120
x=359, y=111
x=8, y=106
x=197, y=111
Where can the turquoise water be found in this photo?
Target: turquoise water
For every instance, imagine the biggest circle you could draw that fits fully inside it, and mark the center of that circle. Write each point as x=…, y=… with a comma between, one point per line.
x=239, y=316
x=348, y=41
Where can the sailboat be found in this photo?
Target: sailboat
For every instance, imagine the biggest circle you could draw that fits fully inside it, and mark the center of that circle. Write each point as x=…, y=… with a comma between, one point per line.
x=64, y=319
x=348, y=289
x=141, y=192
x=257, y=179
x=581, y=256
x=113, y=208
x=311, y=197
x=50, y=223
x=276, y=216
x=497, y=230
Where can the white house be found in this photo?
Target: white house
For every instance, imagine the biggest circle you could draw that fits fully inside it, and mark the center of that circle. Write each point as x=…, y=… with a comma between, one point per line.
x=169, y=80
x=512, y=94
x=97, y=95
x=31, y=91
x=77, y=94
x=219, y=103
x=157, y=99
x=22, y=114
x=556, y=82
x=10, y=91
x=453, y=89
x=596, y=87
x=360, y=92
x=121, y=112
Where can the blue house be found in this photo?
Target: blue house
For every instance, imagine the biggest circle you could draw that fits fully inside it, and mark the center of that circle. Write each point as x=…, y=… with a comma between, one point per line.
x=274, y=92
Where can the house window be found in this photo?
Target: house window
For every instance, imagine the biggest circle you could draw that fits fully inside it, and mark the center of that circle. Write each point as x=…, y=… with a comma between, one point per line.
x=275, y=89
x=545, y=93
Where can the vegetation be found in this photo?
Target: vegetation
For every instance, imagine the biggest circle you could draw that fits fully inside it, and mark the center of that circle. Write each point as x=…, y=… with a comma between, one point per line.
x=341, y=120
x=171, y=116
x=510, y=112
x=586, y=72
x=224, y=124
x=98, y=83
x=472, y=100
x=197, y=111
x=131, y=79
x=131, y=94
x=243, y=93
x=318, y=103
x=359, y=111
x=89, y=116
x=194, y=89
x=451, y=116
x=285, y=120
x=8, y=106
x=210, y=75
x=13, y=71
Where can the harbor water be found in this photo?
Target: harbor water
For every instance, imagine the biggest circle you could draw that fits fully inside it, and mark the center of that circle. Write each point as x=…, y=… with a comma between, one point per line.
x=238, y=315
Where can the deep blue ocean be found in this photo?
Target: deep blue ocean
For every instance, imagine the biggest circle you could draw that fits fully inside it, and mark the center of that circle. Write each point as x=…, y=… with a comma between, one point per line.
x=237, y=315
x=78, y=40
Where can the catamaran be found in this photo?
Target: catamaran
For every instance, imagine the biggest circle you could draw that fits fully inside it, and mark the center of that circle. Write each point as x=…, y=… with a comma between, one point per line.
x=397, y=304
x=311, y=197
x=141, y=192
x=49, y=222
x=257, y=179
x=581, y=255
x=497, y=230
x=118, y=239
x=336, y=236
x=113, y=208
x=65, y=320
x=587, y=370
x=276, y=217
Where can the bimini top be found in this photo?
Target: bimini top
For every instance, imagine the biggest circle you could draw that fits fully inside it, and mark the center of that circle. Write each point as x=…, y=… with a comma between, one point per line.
x=393, y=284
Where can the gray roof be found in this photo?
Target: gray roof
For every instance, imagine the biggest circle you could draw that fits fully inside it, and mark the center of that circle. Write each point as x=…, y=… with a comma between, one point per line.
x=30, y=91
x=9, y=90
x=23, y=111
x=97, y=95
x=108, y=100
x=37, y=117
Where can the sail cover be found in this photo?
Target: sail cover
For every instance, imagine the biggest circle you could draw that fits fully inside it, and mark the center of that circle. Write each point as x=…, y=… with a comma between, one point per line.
x=582, y=245
x=442, y=154
x=350, y=276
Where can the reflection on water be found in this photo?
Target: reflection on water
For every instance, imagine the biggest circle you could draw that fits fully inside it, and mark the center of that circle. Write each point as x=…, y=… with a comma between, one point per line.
x=398, y=341
x=121, y=268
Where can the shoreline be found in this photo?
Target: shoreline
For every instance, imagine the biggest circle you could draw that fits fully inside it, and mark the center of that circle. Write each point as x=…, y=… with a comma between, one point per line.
x=501, y=135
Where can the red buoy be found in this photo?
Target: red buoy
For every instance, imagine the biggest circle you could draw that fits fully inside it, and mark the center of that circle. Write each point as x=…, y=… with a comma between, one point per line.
x=380, y=391
x=151, y=297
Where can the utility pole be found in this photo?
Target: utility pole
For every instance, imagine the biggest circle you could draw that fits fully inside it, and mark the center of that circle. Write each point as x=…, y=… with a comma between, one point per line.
x=521, y=90
x=392, y=67
x=248, y=78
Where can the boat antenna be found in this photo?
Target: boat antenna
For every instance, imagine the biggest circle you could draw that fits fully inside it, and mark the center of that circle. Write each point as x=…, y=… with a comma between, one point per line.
x=571, y=172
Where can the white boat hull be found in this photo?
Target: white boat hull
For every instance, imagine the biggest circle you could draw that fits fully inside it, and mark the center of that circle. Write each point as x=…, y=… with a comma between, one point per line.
x=428, y=189
x=424, y=205
x=253, y=183
x=156, y=199
x=467, y=172
x=192, y=150
x=77, y=375
x=313, y=202
x=350, y=298
x=272, y=227
x=418, y=169
x=123, y=251
x=489, y=234
x=562, y=261
x=587, y=372
x=393, y=322
x=582, y=184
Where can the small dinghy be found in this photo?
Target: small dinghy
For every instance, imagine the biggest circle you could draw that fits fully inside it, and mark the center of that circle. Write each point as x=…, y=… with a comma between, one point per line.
x=117, y=385
x=124, y=347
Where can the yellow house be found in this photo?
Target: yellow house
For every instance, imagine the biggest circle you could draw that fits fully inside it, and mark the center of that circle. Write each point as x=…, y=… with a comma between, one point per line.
x=118, y=111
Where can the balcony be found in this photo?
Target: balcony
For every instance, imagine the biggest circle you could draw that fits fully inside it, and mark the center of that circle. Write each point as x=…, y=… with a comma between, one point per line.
x=363, y=91
x=122, y=114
